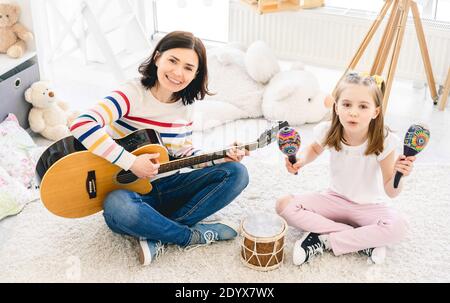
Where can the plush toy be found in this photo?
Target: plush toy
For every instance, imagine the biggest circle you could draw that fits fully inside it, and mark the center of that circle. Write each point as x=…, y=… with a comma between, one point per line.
x=13, y=35
x=236, y=94
x=291, y=95
x=249, y=84
x=49, y=116
x=260, y=62
x=295, y=96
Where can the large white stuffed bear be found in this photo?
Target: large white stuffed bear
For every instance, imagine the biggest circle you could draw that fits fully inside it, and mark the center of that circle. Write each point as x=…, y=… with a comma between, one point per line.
x=249, y=84
x=295, y=96
x=49, y=116
x=291, y=95
x=236, y=94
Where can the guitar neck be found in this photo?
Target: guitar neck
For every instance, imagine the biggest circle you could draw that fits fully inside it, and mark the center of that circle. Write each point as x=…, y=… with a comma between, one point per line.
x=194, y=160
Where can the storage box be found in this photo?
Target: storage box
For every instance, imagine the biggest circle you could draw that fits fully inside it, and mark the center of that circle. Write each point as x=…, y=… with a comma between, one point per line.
x=13, y=85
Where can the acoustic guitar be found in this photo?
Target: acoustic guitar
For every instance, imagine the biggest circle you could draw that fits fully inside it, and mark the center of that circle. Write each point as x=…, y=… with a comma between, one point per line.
x=74, y=182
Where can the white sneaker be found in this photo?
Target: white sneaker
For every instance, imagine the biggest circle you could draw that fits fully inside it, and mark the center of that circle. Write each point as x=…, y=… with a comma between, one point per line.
x=376, y=254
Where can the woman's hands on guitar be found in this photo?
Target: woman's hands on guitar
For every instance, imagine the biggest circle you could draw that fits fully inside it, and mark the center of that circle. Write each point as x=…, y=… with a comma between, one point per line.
x=145, y=166
x=235, y=154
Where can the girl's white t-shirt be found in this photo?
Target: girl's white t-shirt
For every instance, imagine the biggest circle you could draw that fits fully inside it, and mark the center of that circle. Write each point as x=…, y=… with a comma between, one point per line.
x=354, y=175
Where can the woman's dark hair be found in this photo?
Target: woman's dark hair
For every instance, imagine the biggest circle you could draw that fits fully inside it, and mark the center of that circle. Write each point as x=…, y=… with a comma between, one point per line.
x=198, y=88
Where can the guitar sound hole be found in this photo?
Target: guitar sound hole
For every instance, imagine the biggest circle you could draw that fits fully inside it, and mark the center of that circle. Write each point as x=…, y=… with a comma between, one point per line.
x=126, y=177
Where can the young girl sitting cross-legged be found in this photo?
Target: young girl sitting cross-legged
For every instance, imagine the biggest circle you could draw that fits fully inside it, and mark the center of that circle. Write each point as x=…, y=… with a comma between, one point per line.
x=346, y=218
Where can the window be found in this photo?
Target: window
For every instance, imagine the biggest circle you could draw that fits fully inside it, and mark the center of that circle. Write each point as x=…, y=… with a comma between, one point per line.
x=372, y=5
x=206, y=19
x=438, y=10
x=443, y=10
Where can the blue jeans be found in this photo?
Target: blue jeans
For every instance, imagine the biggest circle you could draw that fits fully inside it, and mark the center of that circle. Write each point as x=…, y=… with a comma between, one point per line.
x=175, y=203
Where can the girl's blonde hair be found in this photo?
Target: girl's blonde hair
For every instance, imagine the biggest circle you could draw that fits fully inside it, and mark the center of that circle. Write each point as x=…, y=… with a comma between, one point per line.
x=376, y=135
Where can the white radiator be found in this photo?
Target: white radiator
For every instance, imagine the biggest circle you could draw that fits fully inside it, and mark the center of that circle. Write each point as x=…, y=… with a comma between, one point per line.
x=325, y=38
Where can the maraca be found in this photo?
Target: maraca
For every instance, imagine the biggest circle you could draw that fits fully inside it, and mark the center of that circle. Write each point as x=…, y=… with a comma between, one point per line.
x=289, y=142
x=416, y=139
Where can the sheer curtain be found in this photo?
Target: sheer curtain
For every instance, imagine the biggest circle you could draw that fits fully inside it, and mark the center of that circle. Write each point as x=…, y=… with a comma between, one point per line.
x=54, y=40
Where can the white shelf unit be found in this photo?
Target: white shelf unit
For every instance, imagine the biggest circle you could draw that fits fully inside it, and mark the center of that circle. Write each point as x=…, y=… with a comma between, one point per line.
x=7, y=64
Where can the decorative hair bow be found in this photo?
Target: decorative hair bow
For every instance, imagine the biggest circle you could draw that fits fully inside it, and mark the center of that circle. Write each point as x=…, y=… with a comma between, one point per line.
x=378, y=79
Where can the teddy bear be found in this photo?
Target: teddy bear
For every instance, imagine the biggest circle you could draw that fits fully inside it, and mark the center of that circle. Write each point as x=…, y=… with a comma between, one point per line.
x=49, y=116
x=249, y=83
x=13, y=35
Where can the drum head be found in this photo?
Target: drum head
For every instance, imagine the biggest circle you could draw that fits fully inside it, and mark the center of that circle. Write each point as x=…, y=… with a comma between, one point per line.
x=263, y=225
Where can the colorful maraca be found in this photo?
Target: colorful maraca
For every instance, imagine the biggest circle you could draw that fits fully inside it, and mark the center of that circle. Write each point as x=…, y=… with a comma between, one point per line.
x=416, y=139
x=289, y=142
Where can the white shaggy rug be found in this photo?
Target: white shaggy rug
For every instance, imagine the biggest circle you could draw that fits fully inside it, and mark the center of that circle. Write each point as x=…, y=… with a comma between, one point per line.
x=36, y=246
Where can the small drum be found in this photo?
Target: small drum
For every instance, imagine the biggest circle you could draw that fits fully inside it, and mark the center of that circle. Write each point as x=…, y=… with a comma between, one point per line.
x=263, y=241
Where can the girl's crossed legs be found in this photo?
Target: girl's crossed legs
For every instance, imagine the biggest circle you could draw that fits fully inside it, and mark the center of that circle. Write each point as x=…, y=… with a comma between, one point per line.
x=350, y=227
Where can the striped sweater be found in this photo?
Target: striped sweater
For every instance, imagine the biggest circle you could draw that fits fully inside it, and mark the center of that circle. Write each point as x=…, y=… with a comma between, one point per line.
x=126, y=110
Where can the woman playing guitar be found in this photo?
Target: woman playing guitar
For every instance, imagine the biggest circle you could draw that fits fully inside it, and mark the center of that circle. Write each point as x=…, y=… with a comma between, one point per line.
x=173, y=78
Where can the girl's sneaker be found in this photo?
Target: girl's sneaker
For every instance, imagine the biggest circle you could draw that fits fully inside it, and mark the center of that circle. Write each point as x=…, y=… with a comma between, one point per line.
x=376, y=254
x=308, y=246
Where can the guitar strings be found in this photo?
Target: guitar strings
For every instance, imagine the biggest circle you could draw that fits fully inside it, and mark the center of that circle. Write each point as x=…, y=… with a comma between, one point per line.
x=180, y=163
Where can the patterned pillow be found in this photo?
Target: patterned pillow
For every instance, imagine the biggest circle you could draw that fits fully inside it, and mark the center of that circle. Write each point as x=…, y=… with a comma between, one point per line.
x=13, y=195
x=16, y=151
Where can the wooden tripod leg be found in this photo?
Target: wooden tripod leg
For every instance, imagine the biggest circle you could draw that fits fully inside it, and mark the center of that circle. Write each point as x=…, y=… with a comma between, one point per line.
x=404, y=10
x=386, y=42
x=445, y=93
x=424, y=51
x=367, y=39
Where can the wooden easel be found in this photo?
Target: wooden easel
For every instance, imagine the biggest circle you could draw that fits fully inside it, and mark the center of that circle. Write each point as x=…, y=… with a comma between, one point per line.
x=393, y=34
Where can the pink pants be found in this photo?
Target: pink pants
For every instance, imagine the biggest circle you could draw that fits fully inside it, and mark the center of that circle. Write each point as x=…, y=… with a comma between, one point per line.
x=351, y=227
